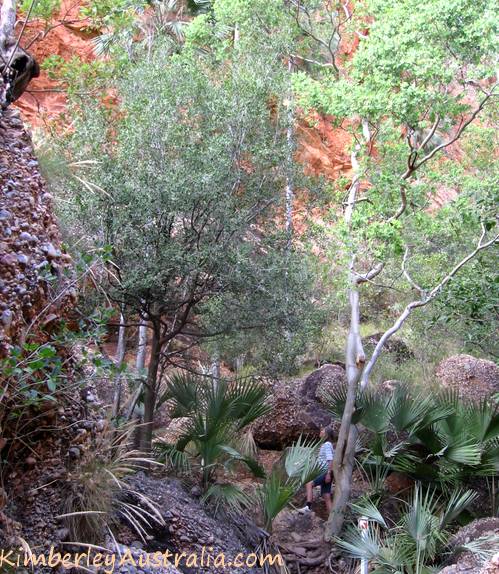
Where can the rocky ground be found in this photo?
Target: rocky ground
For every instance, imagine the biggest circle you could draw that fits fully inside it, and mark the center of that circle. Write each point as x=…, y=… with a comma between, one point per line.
x=189, y=526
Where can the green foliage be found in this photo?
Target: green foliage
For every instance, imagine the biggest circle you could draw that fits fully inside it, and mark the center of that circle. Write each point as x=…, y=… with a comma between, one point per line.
x=185, y=185
x=434, y=437
x=75, y=74
x=227, y=496
x=416, y=542
x=43, y=9
x=300, y=465
x=215, y=413
x=97, y=495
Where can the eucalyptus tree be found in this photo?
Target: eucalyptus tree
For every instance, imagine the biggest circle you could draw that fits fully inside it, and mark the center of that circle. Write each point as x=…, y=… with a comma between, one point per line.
x=420, y=77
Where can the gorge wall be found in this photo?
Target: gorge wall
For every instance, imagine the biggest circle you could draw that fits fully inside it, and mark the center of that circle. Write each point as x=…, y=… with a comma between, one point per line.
x=35, y=273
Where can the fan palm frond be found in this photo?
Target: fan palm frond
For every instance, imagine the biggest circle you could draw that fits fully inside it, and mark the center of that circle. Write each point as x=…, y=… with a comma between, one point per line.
x=301, y=462
x=273, y=495
x=182, y=389
x=485, y=547
x=408, y=412
x=227, y=495
x=172, y=456
x=482, y=420
x=360, y=546
x=458, y=501
x=248, y=401
x=366, y=507
x=255, y=467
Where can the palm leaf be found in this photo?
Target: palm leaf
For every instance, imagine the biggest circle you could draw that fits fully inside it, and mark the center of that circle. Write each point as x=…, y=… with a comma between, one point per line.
x=457, y=502
x=248, y=401
x=360, y=546
x=485, y=547
x=255, y=467
x=183, y=390
x=368, y=509
x=172, y=456
x=227, y=495
x=273, y=495
x=301, y=462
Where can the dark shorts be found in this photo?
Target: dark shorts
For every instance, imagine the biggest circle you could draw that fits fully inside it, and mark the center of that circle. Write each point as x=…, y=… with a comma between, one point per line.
x=325, y=486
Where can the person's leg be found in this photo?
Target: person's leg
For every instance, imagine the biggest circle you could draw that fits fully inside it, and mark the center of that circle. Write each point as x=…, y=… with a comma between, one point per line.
x=326, y=495
x=310, y=492
x=327, y=499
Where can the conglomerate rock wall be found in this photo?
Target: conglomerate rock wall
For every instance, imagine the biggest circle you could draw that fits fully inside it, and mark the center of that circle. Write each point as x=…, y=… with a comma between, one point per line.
x=35, y=282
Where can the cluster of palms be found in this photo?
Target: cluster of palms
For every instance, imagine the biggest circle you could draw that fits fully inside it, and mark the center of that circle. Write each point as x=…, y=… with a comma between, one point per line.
x=444, y=443
x=438, y=440
x=214, y=438
x=433, y=437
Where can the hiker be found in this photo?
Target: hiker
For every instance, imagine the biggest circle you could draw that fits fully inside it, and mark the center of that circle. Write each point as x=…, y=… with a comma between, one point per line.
x=325, y=479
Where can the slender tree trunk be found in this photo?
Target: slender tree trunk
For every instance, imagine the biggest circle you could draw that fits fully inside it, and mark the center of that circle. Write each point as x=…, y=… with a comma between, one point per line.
x=354, y=361
x=344, y=457
x=17, y=67
x=150, y=389
x=141, y=346
x=215, y=366
x=120, y=357
x=289, y=160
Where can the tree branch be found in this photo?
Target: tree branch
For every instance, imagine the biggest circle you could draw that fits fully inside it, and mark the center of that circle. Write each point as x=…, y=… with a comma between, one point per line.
x=423, y=302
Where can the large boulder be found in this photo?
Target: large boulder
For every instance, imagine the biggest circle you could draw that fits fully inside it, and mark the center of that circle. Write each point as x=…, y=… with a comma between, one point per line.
x=297, y=408
x=466, y=562
x=472, y=378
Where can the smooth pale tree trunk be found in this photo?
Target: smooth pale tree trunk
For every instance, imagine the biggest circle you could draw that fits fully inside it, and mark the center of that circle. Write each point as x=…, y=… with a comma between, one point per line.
x=344, y=458
x=289, y=192
x=119, y=359
x=140, y=362
x=150, y=389
x=215, y=366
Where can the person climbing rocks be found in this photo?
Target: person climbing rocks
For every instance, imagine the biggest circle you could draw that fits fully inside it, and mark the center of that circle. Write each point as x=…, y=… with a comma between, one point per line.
x=325, y=479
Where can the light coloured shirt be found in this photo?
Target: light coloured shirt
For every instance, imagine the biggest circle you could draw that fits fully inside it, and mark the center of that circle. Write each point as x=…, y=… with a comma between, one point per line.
x=326, y=454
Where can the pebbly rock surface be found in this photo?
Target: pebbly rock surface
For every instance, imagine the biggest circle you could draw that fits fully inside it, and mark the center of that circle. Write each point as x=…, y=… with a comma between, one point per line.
x=466, y=562
x=472, y=378
x=189, y=527
x=297, y=408
x=300, y=538
x=34, y=271
x=37, y=481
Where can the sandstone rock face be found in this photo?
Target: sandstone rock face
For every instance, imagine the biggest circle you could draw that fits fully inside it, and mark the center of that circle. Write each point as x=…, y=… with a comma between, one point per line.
x=468, y=563
x=297, y=408
x=33, y=268
x=472, y=378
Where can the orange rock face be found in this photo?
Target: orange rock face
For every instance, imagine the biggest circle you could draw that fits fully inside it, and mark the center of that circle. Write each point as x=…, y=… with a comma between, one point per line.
x=66, y=37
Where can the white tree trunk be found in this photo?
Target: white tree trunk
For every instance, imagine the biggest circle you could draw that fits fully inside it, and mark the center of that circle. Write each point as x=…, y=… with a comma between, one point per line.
x=121, y=346
x=120, y=357
x=140, y=361
x=7, y=24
